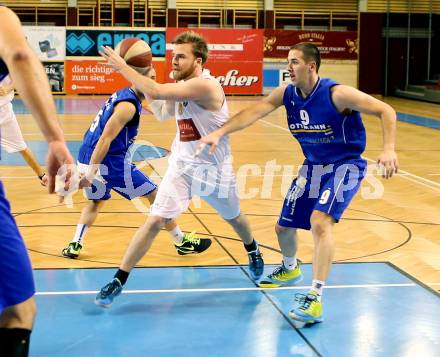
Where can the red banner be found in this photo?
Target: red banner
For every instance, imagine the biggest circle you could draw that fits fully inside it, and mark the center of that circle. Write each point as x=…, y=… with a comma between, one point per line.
x=238, y=78
x=235, y=57
x=332, y=44
x=92, y=77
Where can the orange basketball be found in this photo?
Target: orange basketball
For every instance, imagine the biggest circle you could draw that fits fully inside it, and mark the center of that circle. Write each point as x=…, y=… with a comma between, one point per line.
x=135, y=52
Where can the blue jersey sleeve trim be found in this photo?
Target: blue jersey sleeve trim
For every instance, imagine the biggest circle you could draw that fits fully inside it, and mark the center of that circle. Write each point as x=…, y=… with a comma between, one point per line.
x=330, y=97
x=287, y=93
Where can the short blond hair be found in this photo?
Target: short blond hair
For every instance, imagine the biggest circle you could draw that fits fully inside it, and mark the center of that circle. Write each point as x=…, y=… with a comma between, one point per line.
x=199, y=44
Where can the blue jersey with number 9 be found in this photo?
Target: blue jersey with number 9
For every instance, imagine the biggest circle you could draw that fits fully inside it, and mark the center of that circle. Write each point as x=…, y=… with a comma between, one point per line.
x=325, y=135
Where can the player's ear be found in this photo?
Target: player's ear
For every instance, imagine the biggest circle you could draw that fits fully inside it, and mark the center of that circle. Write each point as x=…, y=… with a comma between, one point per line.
x=151, y=73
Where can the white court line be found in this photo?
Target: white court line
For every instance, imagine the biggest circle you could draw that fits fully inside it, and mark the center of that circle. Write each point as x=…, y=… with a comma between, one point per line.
x=408, y=176
x=82, y=134
x=246, y=176
x=16, y=177
x=166, y=291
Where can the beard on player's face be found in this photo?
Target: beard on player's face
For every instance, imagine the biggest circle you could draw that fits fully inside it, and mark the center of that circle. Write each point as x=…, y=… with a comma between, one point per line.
x=184, y=70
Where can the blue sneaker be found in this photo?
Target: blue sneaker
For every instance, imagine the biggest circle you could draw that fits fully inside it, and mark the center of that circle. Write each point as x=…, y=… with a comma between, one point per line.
x=256, y=264
x=108, y=293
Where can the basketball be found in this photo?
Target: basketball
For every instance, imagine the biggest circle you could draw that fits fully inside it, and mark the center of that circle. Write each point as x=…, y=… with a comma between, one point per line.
x=135, y=52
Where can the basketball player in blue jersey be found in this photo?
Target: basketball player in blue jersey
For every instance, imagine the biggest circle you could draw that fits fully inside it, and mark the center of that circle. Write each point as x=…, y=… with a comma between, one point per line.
x=324, y=117
x=17, y=305
x=104, y=159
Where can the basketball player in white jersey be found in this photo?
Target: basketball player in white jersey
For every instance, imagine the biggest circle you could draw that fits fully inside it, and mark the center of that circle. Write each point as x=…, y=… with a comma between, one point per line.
x=11, y=138
x=198, y=102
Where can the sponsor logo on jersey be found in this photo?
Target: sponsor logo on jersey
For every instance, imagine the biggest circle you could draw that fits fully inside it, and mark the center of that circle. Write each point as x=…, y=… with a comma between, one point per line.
x=188, y=130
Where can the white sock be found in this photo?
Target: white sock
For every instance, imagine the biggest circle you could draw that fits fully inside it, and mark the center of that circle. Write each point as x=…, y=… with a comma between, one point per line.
x=177, y=235
x=318, y=287
x=290, y=262
x=81, y=230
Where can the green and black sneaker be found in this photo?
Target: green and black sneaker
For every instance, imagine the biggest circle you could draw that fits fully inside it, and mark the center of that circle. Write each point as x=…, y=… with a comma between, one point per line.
x=192, y=245
x=72, y=250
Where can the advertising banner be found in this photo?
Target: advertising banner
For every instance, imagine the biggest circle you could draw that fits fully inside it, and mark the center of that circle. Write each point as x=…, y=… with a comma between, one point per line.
x=48, y=42
x=235, y=57
x=55, y=74
x=92, y=77
x=226, y=44
x=238, y=78
x=332, y=44
x=86, y=42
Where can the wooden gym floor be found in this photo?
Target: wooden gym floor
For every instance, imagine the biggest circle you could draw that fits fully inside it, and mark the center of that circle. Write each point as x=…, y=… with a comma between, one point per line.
x=401, y=226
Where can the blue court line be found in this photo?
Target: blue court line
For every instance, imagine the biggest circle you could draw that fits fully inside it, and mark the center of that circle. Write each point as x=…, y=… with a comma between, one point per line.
x=418, y=120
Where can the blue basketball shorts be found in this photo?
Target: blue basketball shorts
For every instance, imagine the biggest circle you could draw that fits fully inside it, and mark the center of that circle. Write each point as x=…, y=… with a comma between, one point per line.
x=122, y=177
x=326, y=188
x=16, y=280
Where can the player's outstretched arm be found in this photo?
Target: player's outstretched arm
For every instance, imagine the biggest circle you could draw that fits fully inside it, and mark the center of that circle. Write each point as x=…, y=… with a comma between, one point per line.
x=142, y=83
x=243, y=119
x=193, y=89
x=123, y=113
x=346, y=97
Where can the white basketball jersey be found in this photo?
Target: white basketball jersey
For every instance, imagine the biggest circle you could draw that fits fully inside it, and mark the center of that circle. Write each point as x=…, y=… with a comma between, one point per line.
x=193, y=122
x=5, y=99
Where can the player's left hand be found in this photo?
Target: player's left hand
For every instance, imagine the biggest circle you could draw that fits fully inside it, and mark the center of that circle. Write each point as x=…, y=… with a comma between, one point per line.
x=388, y=163
x=84, y=181
x=113, y=59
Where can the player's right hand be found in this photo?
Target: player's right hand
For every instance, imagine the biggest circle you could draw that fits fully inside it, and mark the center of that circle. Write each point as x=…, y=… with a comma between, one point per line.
x=113, y=59
x=59, y=162
x=212, y=140
x=388, y=163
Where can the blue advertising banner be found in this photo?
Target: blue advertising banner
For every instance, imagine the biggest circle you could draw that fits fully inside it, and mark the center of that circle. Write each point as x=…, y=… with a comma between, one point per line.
x=86, y=42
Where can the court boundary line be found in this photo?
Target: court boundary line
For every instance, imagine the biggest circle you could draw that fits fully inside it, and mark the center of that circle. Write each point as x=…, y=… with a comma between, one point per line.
x=426, y=286
x=209, y=290
x=414, y=279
